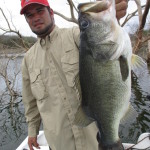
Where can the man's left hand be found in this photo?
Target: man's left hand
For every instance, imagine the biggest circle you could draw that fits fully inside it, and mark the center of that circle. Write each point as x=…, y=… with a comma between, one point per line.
x=121, y=8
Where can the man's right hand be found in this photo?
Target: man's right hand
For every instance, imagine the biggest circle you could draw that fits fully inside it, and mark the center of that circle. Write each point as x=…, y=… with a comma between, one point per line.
x=32, y=141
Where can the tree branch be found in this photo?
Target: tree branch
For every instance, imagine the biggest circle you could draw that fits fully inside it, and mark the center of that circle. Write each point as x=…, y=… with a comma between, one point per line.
x=138, y=3
x=129, y=16
x=141, y=27
x=72, y=7
x=10, y=30
x=147, y=7
x=5, y=19
x=66, y=18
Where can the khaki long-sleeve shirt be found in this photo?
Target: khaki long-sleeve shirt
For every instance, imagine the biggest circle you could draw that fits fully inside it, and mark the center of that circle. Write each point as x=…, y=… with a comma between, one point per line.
x=50, y=70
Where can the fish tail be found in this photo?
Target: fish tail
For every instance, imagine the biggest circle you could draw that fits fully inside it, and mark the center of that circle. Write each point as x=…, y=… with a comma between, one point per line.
x=116, y=146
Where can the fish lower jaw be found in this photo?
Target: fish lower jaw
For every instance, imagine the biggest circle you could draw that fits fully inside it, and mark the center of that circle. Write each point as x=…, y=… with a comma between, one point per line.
x=115, y=146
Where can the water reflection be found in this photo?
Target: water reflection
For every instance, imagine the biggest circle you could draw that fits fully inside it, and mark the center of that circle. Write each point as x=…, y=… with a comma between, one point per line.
x=13, y=128
x=129, y=132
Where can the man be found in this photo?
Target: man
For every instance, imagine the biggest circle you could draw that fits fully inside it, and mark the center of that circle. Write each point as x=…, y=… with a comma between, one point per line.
x=49, y=71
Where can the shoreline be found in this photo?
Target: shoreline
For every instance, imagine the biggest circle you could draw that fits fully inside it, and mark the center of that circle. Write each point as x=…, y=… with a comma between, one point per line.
x=11, y=55
x=7, y=53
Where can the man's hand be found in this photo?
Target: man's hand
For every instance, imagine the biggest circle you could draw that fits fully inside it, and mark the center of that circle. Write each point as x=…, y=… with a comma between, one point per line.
x=32, y=141
x=121, y=8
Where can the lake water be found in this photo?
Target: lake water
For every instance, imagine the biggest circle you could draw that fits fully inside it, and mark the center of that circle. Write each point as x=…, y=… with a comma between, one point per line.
x=13, y=127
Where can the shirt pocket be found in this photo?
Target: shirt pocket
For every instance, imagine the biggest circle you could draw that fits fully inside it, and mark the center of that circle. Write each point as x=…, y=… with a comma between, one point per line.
x=37, y=86
x=70, y=66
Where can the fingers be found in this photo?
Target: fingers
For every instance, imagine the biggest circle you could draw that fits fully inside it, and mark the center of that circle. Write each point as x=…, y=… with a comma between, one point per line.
x=121, y=8
x=32, y=141
x=118, y=1
x=121, y=5
x=120, y=14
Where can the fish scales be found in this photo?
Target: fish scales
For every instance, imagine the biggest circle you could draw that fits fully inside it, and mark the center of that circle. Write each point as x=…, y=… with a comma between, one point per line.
x=104, y=69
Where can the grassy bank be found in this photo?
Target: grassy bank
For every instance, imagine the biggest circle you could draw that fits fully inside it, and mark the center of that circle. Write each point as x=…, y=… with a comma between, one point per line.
x=12, y=44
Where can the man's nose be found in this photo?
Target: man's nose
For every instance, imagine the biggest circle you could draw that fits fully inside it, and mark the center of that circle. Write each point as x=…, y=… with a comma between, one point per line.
x=36, y=17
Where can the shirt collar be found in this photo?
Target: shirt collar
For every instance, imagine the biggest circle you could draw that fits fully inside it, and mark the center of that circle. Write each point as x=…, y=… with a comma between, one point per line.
x=49, y=38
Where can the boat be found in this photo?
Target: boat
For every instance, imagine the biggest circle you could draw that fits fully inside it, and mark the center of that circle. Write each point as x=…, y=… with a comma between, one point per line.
x=143, y=143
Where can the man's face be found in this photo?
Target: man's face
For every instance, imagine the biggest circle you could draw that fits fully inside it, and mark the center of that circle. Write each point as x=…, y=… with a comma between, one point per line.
x=40, y=20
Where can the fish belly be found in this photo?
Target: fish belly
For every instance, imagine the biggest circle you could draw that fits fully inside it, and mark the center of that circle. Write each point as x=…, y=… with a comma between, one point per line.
x=105, y=97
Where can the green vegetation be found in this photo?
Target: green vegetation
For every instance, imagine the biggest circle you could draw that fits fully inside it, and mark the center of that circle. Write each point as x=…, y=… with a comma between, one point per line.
x=12, y=41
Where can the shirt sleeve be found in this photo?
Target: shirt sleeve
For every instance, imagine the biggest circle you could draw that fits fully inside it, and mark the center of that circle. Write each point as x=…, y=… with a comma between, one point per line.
x=76, y=35
x=31, y=111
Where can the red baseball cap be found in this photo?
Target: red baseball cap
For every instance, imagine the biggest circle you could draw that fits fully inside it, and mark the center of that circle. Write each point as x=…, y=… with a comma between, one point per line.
x=25, y=3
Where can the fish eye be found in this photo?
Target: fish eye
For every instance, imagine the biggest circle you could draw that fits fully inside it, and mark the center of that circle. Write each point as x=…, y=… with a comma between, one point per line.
x=84, y=24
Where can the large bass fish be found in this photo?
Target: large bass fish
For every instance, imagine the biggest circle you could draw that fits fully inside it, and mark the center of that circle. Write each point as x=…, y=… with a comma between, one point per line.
x=104, y=71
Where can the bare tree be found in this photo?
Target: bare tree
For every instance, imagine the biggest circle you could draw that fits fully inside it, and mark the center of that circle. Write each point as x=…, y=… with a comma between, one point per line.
x=5, y=60
x=140, y=38
x=148, y=56
x=10, y=30
x=10, y=80
x=72, y=12
x=134, y=13
x=139, y=8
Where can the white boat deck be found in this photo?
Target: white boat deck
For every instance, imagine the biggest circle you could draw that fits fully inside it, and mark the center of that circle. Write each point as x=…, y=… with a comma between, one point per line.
x=143, y=143
x=41, y=140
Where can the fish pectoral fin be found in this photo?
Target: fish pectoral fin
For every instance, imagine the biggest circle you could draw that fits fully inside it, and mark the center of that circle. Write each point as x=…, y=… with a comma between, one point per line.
x=129, y=116
x=81, y=119
x=137, y=63
x=124, y=67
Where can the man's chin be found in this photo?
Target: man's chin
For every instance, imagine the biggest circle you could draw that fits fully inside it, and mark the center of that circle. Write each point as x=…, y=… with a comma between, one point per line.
x=43, y=32
x=38, y=32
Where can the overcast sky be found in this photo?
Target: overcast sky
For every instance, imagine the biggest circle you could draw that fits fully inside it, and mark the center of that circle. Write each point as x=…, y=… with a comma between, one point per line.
x=12, y=10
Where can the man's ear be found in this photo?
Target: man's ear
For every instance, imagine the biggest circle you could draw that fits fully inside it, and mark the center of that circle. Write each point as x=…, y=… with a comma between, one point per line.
x=51, y=11
x=26, y=18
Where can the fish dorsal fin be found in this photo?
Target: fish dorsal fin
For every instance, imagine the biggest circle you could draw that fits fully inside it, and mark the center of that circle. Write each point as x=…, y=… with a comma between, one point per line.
x=81, y=119
x=124, y=67
x=129, y=116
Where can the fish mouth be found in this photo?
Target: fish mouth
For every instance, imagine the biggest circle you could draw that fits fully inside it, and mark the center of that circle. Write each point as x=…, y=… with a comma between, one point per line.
x=95, y=7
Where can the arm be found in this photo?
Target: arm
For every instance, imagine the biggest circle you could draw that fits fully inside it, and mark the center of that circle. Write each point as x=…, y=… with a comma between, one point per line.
x=31, y=111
